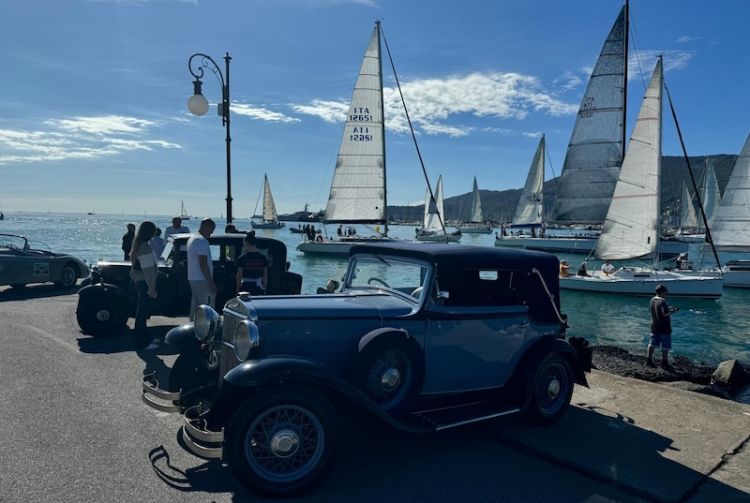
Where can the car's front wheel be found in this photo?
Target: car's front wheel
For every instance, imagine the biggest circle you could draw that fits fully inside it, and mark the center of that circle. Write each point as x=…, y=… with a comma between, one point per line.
x=101, y=316
x=281, y=441
x=551, y=389
x=68, y=277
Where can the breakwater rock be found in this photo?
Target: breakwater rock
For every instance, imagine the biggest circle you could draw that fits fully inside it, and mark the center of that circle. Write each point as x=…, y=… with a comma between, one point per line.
x=684, y=373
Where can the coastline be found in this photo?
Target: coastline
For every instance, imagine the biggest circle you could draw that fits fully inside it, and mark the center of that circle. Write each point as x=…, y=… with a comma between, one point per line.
x=685, y=373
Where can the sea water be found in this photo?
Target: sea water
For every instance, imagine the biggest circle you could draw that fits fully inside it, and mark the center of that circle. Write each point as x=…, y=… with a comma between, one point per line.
x=707, y=331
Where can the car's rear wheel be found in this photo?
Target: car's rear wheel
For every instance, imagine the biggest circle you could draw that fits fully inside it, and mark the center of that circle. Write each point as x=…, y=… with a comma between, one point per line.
x=68, y=277
x=281, y=441
x=551, y=389
x=101, y=316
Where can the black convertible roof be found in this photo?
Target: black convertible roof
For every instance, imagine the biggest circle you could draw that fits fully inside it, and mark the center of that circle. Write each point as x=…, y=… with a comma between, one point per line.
x=463, y=256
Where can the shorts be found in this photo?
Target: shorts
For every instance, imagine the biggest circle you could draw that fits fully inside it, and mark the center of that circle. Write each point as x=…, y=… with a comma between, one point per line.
x=663, y=340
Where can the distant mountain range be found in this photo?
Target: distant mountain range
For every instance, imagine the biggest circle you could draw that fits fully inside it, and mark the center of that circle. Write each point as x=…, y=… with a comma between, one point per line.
x=500, y=205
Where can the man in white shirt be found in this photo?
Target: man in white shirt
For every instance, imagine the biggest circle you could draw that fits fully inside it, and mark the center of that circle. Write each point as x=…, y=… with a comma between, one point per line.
x=200, y=267
x=175, y=228
x=607, y=268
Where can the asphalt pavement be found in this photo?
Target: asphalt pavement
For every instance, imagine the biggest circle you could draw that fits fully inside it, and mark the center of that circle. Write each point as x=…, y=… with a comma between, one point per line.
x=74, y=429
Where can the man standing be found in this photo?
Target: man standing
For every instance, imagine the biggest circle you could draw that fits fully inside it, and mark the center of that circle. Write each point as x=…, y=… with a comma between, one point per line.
x=127, y=241
x=200, y=268
x=661, y=328
x=175, y=228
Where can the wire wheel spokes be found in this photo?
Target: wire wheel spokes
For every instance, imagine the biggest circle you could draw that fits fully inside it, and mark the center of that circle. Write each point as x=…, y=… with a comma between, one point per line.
x=284, y=443
x=389, y=378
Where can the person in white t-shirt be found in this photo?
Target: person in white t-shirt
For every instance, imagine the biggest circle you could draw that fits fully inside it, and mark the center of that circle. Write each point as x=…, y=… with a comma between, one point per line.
x=200, y=267
x=607, y=268
x=175, y=228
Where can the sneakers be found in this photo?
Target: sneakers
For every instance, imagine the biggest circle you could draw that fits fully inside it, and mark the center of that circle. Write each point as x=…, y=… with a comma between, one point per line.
x=666, y=366
x=650, y=363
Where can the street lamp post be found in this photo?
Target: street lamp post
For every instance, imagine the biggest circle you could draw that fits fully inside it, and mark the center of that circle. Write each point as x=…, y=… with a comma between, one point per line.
x=198, y=105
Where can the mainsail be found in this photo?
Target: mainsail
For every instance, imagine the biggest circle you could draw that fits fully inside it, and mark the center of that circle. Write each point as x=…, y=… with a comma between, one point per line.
x=358, y=189
x=631, y=228
x=595, y=151
x=475, y=206
x=711, y=197
x=530, y=204
x=432, y=209
x=269, y=208
x=731, y=226
x=688, y=220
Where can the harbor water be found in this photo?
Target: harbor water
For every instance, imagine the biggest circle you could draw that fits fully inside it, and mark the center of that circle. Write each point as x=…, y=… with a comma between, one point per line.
x=707, y=331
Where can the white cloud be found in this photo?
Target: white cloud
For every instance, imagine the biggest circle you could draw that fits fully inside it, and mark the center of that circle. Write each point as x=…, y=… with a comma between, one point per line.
x=496, y=130
x=261, y=113
x=641, y=63
x=532, y=134
x=685, y=39
x=568, y=81
x=431, y=102
x=329, y=111
x=78, y=138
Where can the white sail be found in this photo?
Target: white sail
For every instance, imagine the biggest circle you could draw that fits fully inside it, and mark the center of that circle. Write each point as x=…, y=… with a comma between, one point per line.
x=358, y=188
x=595, y=151
x=431, y=210
x=688, y=220
x=631, y=228
x=530, y=204
x=731, y=226
x=711, y=198
x=269, y=208
x=475, y=205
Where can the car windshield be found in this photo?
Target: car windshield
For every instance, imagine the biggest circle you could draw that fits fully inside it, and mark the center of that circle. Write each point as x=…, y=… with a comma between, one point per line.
x=396, y=274
x=12, y=242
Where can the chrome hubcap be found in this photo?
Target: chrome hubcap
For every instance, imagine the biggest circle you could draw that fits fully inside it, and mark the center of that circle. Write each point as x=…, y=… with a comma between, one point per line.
x=553, y=389
x=284, y=443
x=391, y=379
x=102, y=315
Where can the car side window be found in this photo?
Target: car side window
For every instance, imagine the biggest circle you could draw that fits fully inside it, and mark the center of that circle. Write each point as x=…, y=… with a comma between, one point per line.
x=484, y=287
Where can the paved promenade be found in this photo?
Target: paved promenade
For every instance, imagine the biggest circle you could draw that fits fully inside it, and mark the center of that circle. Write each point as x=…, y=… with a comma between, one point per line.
x=74, y=430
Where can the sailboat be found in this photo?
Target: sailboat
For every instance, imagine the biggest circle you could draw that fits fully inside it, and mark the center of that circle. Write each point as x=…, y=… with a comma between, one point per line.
x=433, y=227
x=711, y=197
x=688, y=220
x=632, y=226
x=358, y=190
x=528, y=212
x=183, y=212
x=270, y=219
x=475, y=223
x=731, y=227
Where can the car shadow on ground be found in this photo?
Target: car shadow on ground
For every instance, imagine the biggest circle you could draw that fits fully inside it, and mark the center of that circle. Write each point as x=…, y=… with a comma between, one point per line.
x=125, y=341
x=44, y=290
x=483, y=462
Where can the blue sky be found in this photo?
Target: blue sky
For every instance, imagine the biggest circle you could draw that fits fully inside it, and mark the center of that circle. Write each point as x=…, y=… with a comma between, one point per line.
x=93, y=110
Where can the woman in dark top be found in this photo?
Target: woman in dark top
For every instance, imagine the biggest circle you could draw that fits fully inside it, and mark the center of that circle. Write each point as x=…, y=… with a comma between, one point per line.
x=252, y=268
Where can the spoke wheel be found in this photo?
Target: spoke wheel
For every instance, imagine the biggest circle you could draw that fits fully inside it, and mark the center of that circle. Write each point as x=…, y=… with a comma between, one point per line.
x=552, y=388
x=281, y=441
x=389, y=378
x=68, y=277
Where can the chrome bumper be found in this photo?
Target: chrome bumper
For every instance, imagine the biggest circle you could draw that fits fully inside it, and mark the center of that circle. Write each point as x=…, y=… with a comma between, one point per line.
x=198, y=438
x=157, y=398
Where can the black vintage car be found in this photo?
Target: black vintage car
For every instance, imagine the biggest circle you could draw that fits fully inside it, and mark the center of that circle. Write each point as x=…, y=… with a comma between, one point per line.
x=108, y=299
x=423, y=337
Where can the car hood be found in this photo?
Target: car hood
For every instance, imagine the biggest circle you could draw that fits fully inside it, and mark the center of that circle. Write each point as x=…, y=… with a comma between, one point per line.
x=347, y=305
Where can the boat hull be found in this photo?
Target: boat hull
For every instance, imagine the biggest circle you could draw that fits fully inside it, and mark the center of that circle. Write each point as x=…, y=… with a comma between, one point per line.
x=439, y=238
x=475, y=230
x=267, y=225
x=336, y=247
x=583, y=245
x=643, y=282
x=737, y=274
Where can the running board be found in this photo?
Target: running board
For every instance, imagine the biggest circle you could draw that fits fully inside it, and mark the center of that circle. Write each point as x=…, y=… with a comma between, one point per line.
x=453, y=417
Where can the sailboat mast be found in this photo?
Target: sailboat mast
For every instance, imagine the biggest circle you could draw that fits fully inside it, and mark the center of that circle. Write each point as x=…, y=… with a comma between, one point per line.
x=382, y=133
x=658, y=167
x=625, y=80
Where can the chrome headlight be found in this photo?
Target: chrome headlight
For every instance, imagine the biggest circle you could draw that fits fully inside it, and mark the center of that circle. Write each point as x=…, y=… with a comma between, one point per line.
x=205, y=322
x=246, y=337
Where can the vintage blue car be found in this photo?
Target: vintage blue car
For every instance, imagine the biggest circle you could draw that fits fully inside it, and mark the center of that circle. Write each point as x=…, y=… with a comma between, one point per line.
x=22, y=263
x=424, y=337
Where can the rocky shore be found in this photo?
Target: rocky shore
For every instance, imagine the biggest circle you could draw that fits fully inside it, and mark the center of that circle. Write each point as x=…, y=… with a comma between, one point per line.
x=684, y=373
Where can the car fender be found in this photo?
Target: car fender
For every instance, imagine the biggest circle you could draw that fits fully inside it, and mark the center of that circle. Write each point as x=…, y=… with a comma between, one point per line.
x=182, y=337
x=543, y=347
x=240, y=382
x=105, y=289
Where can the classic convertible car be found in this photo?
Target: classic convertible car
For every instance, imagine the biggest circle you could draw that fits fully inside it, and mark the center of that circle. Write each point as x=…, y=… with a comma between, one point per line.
x=21, y=264
x=421, y=337
x=107, y=301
